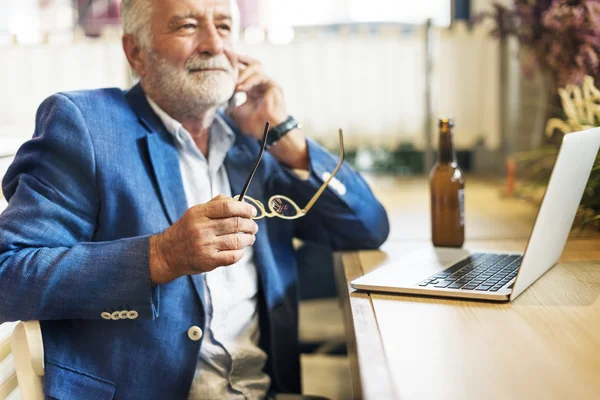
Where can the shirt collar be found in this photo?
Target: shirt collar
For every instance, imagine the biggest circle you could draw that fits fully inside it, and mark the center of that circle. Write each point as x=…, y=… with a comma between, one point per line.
x=170, y=123
x=173, y=126
x=220, y=140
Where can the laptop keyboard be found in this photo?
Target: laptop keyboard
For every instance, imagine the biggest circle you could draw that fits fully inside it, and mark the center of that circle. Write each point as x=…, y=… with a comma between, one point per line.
x=480, y=271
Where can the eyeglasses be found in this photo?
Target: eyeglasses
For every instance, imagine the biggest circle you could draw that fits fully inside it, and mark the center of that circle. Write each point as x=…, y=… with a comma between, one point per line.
x=281, y=206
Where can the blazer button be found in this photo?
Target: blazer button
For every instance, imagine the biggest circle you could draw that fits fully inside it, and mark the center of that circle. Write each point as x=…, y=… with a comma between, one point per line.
x=194, y=333
x=123, y=314
x=106, y=315
x=116, y=315
x=132, y=314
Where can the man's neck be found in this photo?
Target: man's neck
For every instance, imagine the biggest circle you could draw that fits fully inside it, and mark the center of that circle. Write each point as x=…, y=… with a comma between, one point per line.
x=198, y=127
x=198, y=124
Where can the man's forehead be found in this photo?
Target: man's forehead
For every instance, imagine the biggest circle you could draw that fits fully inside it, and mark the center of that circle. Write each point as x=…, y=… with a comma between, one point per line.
x=176, y=7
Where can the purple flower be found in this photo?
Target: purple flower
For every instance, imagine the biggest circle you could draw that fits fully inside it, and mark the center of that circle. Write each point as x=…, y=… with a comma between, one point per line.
x=563, y=35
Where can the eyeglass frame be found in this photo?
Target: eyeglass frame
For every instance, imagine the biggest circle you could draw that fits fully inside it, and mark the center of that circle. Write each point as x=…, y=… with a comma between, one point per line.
x=300, y=211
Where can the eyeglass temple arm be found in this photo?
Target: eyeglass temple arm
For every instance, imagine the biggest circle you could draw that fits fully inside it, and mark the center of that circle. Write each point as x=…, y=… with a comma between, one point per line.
x=324, y=186
x=262, y=150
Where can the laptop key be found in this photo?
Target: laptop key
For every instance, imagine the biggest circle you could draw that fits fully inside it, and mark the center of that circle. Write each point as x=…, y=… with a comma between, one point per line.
x=456, y=286
x=443, y=284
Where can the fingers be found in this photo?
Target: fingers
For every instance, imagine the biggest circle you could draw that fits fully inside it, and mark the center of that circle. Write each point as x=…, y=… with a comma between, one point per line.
x=228, y=257
x=226, y=208
x=246, y=60
x=250, y=77
x=251, y=82
x=235, y=225
x=249, y=70
x=251, y=73
x=235, y=241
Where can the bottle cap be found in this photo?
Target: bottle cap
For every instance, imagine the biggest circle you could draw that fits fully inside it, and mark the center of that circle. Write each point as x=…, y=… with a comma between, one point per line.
x=444, y=121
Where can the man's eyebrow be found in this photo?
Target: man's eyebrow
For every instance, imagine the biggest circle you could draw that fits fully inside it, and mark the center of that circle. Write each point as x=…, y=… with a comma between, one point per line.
x=176, y=18
x=223, y=16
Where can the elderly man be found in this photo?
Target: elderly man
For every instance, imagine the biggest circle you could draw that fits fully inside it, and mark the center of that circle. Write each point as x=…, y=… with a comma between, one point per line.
x=122, y=238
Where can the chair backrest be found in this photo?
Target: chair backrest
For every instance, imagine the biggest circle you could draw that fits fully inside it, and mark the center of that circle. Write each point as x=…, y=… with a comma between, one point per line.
x=21, y=361
x=8, y=375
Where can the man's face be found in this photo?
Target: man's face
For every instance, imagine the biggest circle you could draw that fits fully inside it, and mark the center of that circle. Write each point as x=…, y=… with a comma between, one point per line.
x=190, y=63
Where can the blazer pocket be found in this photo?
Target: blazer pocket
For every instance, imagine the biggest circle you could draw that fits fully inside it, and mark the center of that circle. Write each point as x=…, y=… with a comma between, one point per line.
x=64, y=383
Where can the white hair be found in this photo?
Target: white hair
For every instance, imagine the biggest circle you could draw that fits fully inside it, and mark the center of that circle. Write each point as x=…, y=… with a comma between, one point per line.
x=135, y=17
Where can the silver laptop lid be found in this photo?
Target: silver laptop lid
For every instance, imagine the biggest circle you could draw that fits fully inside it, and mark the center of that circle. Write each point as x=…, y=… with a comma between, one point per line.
x=559, y=206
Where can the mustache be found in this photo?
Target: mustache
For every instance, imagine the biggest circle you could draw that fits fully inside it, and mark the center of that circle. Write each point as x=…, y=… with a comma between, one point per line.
x=199, y=62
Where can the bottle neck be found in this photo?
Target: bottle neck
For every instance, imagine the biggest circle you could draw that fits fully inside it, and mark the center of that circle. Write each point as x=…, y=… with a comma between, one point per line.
x=446, y=152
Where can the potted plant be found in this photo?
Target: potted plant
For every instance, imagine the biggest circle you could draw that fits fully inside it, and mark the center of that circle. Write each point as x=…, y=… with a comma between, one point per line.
x=560, y=40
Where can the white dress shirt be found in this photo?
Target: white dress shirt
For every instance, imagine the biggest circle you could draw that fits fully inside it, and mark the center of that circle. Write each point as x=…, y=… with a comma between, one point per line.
x=231, y=363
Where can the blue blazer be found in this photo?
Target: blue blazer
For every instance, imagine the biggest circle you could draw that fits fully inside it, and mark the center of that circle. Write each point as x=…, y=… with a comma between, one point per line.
x=100, y=175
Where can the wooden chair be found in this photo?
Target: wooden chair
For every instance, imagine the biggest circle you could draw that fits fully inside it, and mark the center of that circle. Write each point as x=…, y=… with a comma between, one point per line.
x=8, y=376
x=21, y=361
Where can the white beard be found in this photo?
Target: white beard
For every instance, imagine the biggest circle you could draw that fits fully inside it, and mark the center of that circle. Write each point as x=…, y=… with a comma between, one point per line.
x=190, y=92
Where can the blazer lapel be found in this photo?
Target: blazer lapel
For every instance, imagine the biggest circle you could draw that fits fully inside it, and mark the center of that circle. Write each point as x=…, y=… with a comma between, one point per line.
x=165, y=163
x=164, y=157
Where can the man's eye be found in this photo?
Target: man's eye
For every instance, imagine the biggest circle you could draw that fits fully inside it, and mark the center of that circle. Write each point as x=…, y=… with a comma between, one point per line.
x=188, y=26
x=224, y=27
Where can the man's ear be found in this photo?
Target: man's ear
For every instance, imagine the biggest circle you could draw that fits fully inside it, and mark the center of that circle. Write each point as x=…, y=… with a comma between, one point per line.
x=133, y=52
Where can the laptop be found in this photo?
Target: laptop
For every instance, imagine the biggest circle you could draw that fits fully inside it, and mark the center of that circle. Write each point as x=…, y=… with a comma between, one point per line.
x=499, y=276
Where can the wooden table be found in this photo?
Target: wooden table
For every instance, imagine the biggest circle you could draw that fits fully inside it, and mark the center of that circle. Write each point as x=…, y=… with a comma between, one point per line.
x=545, y=345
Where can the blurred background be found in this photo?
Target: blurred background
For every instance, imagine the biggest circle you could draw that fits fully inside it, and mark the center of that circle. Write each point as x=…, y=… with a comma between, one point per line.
x=515, y=75
x=382, y=70
x=373, y=67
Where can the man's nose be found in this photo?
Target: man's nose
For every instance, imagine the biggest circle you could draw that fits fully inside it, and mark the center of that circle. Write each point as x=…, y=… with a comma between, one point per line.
x=210, y=41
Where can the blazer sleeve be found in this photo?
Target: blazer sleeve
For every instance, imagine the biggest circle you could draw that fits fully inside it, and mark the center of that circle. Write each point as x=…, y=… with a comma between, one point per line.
x=49, y=266
x=347, y=216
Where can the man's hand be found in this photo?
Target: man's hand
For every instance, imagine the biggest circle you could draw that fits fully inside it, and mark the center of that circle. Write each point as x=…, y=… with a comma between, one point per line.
x=208, y=236
x=264, y=103
x=264, y=98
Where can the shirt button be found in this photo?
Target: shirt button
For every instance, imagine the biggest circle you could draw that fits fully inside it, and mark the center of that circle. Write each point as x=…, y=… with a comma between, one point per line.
x=106, y=315
x=194, y=333
x=123, y=314
x=116, y=315
x=132, y=314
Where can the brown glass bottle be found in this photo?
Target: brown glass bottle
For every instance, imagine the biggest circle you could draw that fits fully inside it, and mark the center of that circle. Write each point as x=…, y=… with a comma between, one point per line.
x=447, y=184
